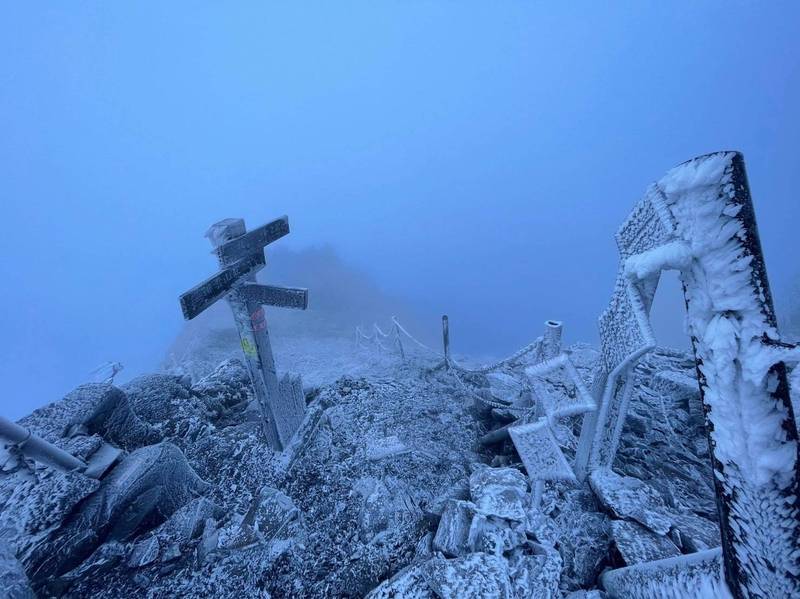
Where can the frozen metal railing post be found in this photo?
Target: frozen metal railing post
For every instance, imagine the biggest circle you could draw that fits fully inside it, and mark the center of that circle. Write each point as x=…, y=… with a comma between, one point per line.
x=446, y=338
x=37, y=448
x=241, y=254
x=551, y=340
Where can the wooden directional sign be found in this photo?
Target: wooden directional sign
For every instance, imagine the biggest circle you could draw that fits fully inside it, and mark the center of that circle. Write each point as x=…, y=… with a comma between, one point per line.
x=253, y=241
x=284, y=297
x=241, y=255
x=201, y=296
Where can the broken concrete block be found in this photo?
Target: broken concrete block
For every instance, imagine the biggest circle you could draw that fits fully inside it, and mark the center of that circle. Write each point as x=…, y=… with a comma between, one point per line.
x=499, y=492
x=637, y=545
x=452, y=535
x=627, y=497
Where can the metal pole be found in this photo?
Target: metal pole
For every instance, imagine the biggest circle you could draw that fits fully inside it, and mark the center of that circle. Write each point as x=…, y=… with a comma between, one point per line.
x=552, y=338
x=38, y=449
x=446, y=338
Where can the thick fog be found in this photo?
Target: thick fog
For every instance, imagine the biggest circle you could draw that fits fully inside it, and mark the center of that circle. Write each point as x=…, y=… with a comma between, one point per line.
x=472, y=159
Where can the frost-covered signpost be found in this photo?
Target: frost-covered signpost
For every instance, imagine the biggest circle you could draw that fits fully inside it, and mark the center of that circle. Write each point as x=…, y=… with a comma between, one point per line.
x=241, y=255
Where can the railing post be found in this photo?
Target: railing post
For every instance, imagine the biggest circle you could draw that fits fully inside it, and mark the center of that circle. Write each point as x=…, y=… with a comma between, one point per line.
x=399, y=341
x=446, y=338
x=552, y=339
x=38, y=449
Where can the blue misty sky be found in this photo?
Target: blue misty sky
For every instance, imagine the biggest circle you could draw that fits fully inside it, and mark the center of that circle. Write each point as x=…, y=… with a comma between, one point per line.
x=474, y=158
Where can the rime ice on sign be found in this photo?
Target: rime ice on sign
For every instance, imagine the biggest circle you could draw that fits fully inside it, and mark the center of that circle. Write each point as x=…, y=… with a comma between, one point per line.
x=576, y=401
x=540, y=452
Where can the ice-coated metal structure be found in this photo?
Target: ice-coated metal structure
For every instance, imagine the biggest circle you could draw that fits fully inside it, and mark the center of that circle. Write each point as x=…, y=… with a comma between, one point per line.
x=699, y=219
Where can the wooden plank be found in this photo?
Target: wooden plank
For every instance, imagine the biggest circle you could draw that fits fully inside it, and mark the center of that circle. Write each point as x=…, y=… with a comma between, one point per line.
x=201, y=296
x=284, y=297
x=253, y=241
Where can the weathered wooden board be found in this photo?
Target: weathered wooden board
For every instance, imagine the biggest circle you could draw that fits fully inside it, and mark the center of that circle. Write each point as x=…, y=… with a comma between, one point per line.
x=253, y=241
x=201, y=296
x=284, y=297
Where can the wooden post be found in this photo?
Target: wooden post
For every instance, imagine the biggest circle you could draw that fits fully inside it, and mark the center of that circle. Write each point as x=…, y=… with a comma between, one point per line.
x=252, y=327
x=241, y=255
x=446, y=338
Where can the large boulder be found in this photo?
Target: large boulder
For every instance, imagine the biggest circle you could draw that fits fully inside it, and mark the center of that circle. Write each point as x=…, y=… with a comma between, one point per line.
x=140, y=493
x=113, y=418
x=13, y=581
x=155, y=397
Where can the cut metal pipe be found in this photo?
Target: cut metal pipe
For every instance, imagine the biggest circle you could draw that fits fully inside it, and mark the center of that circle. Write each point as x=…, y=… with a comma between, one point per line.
x=552, y=338
x=446, y=338
x=37, y=448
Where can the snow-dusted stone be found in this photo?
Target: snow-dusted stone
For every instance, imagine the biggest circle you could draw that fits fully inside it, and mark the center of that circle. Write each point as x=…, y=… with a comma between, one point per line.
x=209, y=540
x=269, y=517
x=637, y=545
x=144, y=552
x=452, y=535
x=583, y=545
x=102, y=560
x=113, y=417
x=681, y=389
x=227, y=386
x=627, y=497
x=540, y=452
x=495, y=535
x=474, y=576
x=583, y=594
x=536, y=576
x=154, y=397
x=271, y=513
x=147, y=486
x=499, y=492
x=423, y=551
x=697, y=575
x=504, y=387
x=187, y=522
x=385, y=504
x=694, y=533
x=409, y=583
x=13, y=581
x=32, y=507
x=384, y=447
